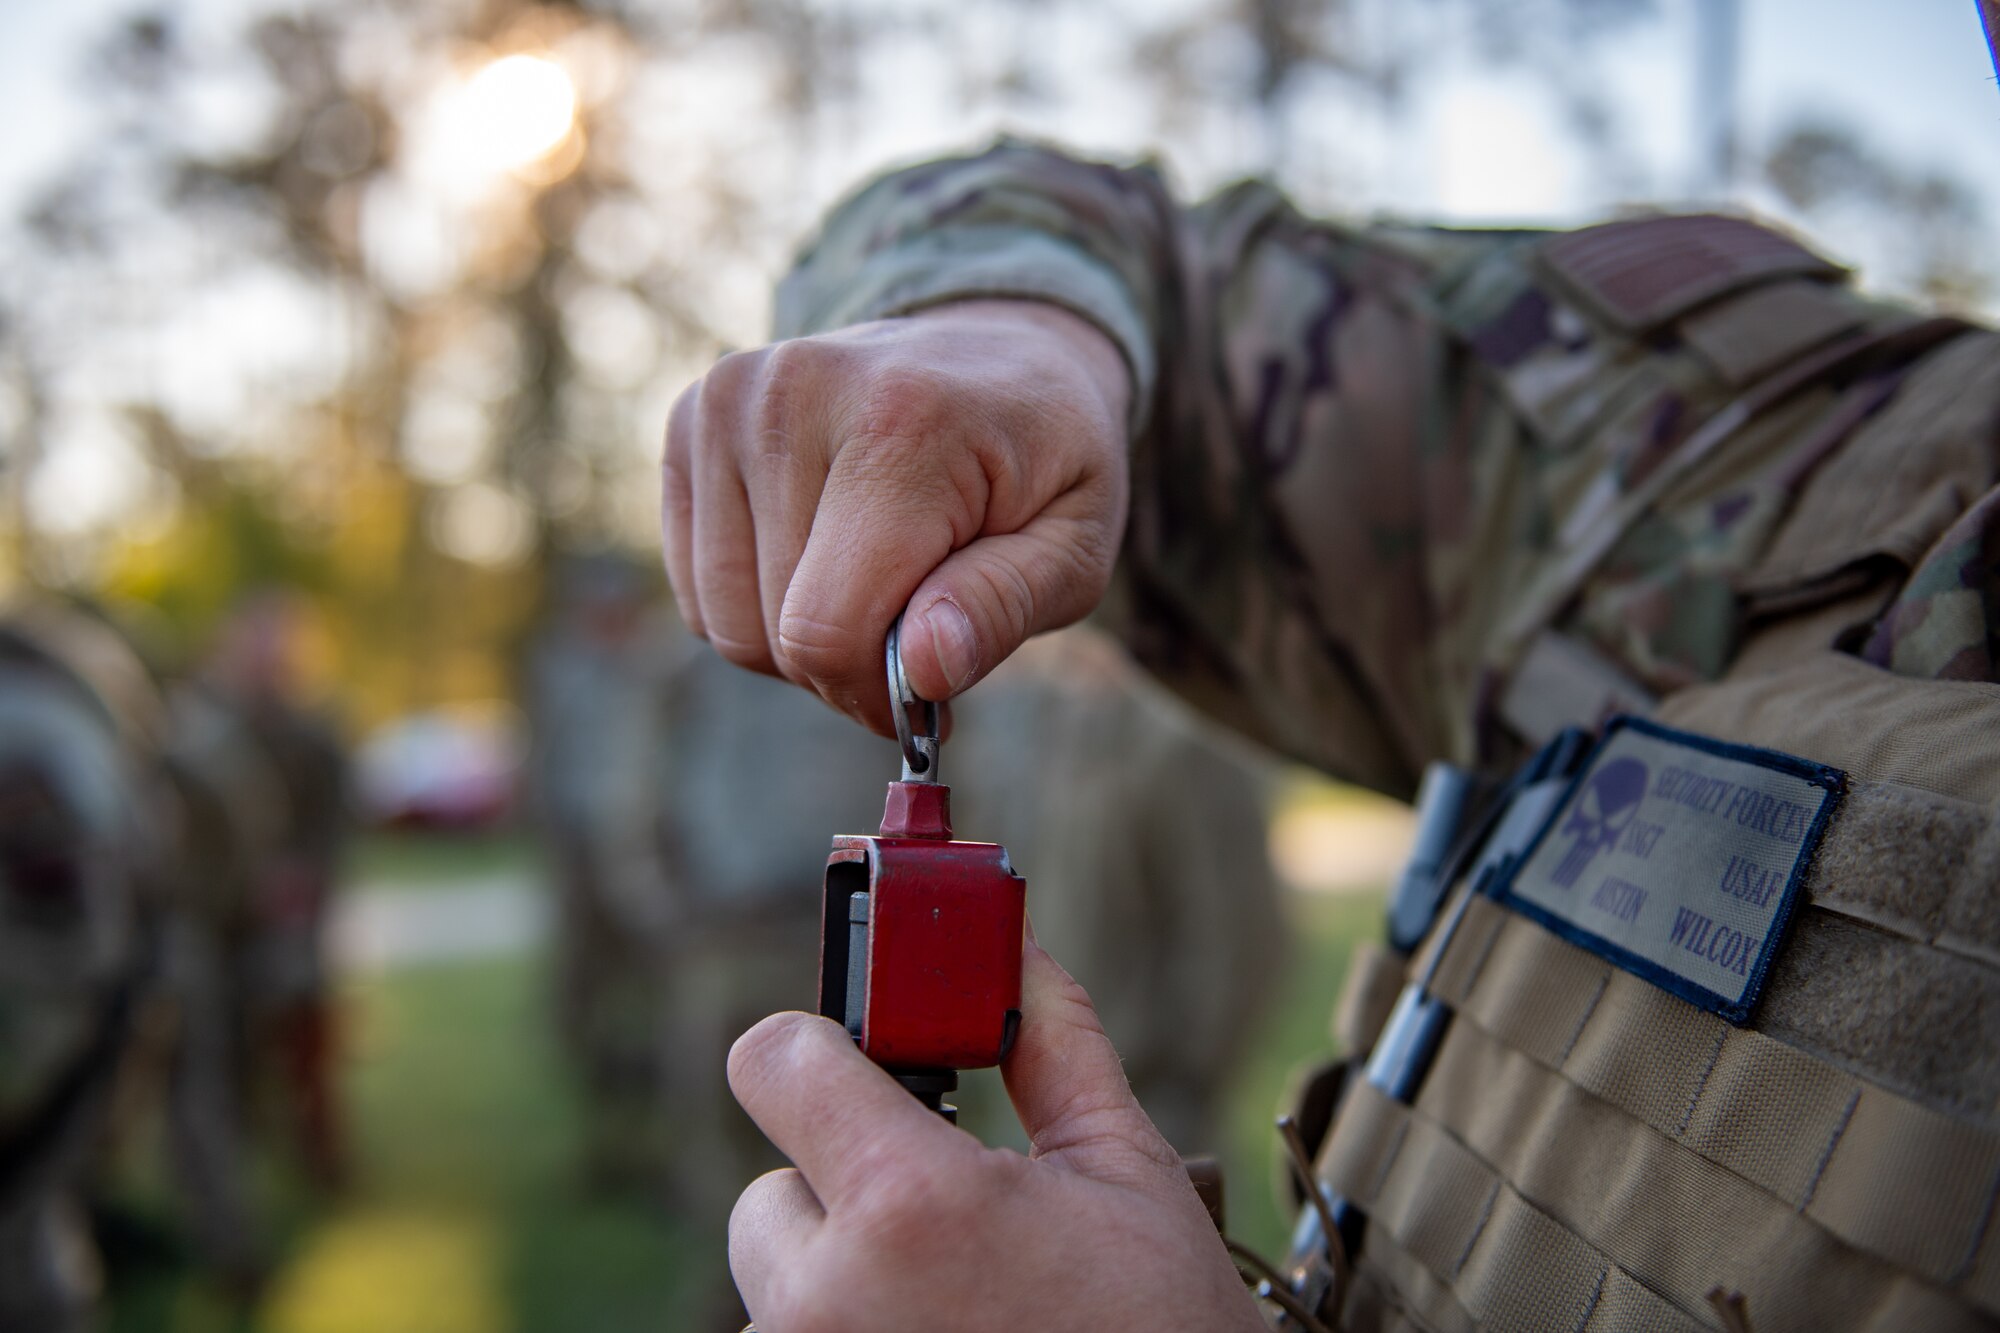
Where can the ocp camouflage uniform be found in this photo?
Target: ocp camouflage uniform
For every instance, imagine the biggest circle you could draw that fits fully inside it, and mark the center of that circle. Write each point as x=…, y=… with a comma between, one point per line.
x=751, y=779
x=295, y=1010
x=1404, y=494
x=755, y=778
x=1142, y=836
x=78, y=838
x=232, y=813
x=595, y=688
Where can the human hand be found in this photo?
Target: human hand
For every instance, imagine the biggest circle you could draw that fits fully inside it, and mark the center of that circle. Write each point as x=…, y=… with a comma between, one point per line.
x=966, y=465
x=896, y=1220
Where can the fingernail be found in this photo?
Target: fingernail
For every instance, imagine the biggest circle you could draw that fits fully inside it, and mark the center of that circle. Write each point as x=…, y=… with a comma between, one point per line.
x=951, y=639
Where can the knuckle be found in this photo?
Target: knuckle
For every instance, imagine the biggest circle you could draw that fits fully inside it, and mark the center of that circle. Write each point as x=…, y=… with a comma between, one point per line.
x=904, y=403
x=681, y=420
x=796, y=367
x=818, y=650
x=677, y=483
x=751, y=654
x=676, y=499
x=790, y=382
x=1115, y=1134
x=1070, y=1004
x=1012, y=595
x=732, y=369
x=906, y=1210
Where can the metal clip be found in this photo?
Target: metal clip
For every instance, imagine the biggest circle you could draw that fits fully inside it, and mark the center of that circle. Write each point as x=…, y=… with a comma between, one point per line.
x=920, y=744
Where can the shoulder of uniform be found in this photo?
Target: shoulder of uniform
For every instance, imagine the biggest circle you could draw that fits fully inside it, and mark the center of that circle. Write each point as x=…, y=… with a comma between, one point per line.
x=1569, y=321
x=1638, y=274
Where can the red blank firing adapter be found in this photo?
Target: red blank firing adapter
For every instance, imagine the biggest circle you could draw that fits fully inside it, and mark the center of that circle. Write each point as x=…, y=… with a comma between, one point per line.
x=920, y=935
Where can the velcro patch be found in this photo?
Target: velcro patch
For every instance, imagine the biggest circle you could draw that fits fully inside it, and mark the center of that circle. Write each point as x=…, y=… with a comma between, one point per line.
x=1641, y=272
x=1678, y=858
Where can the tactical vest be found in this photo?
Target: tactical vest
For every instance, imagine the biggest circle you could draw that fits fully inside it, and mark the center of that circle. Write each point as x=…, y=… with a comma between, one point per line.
x=1582, y=1141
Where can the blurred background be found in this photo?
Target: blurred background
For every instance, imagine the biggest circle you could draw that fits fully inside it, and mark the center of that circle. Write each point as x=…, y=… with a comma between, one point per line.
x=384, y=870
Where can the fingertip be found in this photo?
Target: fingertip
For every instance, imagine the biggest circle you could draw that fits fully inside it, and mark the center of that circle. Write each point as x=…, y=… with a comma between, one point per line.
x=775, y=1045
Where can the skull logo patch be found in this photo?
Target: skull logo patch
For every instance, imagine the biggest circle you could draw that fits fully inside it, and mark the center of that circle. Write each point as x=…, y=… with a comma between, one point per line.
x=1600, y=816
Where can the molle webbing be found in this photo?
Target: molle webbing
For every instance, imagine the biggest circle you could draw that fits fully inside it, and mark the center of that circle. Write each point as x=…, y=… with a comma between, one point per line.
x=1632, y=1149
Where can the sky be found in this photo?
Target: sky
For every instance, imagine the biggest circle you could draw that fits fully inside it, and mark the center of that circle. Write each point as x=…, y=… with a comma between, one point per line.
x=1921, y=82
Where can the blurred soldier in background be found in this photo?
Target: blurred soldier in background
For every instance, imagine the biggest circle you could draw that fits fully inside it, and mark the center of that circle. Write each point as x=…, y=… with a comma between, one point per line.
x=79, y=727
x=256, y=669
x=595, y=692
x=230, y=830
x=756, y=781
x=688, y=809
x=1142, y=835
x=260, y=817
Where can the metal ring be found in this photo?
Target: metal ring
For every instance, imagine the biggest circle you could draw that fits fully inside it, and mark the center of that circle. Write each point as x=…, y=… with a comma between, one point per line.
x=920, y=749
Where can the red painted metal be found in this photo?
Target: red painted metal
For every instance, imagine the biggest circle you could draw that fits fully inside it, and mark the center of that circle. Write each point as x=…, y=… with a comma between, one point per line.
x=945, y=921
x=917, y=810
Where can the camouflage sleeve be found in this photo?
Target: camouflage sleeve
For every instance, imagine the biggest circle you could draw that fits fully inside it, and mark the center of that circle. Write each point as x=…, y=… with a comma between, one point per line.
x=1945, y=624
x=1262, y=347
x=1016, y=221
x=1378, y=470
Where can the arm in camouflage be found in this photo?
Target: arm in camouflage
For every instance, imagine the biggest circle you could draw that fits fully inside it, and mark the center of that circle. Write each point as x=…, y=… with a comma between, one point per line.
x=1375, y=466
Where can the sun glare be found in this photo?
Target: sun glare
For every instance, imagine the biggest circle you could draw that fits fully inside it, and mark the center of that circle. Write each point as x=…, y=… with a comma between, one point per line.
x=512, y=113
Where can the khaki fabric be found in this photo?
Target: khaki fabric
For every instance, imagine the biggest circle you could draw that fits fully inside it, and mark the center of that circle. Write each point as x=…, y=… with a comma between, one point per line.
x=1836, y=709
x=1374, y=980
x=1838, y=1161
x=1406, y=1293
x=1762, y=1109
x=1691, y=1152
x=1746, y=337
x=1551, y=1166
x=1890, y=970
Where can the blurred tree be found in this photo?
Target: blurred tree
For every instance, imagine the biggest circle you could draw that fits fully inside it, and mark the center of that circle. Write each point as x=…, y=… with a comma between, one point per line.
x=1287, y=62
x=490, y=384
x=1934, y=232
x=329, y=269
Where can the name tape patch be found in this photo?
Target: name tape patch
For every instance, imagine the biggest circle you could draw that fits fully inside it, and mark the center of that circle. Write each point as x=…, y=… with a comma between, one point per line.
x=1678, y=858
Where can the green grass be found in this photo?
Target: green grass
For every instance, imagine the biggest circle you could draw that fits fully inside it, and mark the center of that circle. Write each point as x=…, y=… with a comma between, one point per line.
x=466, y=1215
x=466, y=1118
x=411, y=860
x=1295, y=1031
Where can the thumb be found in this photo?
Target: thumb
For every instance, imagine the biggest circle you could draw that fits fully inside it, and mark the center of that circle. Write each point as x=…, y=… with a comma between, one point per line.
x=990, y=597
x=1069, y=1088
